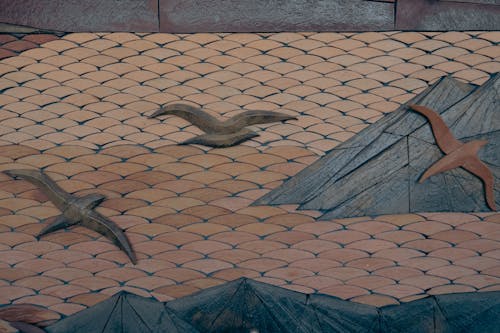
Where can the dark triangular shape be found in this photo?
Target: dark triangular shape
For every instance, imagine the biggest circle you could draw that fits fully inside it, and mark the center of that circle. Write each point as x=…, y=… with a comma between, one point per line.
x=377, y=171
x=245, y=305
x=126, y=313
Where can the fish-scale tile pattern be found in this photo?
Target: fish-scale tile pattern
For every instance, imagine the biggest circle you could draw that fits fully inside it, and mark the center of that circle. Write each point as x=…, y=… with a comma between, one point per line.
x=13, y=44
x=94, y=89
x=75, y=107
x=186, y=211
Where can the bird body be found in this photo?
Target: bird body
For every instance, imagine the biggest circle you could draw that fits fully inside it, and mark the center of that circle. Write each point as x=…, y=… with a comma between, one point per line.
x=221, y=133
x=457, y=154
x=75, y=210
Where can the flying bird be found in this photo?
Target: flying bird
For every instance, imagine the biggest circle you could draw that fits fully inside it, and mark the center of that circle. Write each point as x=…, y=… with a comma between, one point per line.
x=221, y=133
x=75, y=210
x=457, y=154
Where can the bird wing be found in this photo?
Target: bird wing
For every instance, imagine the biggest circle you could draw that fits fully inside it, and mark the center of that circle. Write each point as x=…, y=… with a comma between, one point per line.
x=221, y=140
x=254, y=117
x=61, y=222
x=56, y=195
x=110, y=230
x=444, y=138
x=194, y=115
x=448, y=162
x=481, y=170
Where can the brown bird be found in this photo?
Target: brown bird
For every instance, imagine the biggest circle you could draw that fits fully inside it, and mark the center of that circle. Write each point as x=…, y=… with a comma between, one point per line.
x=221, y=133
x=457, y=154
x=75, y=210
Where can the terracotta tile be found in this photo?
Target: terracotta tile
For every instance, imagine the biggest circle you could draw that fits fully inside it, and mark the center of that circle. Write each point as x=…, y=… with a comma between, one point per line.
x=425, y=282
x=451, y=272
x=342, y=255
x=41, y=300
x=16, y=257
x=452, y=218
x=7, y=38
x=454, y=236
x=288, y=274
x=371, y=282
x=39, y=265
x=176, y=291
x=205, y=246
x=479, y=245
x=88, y=299
x=453, y=253
x=371, y=245
x=398, y=273
x=231, y=274
x=478, y=263
x=315, y=246
x=371, y=264
x=451, y=288
x=344, y=291
x=399, y=291
x=315, y=264
x=207, y=266
x=205, y=283
x=261, y=246
x=482, y=228
x=262, y=265
x=426, y=245
x=67, y=308
x=14, y=274
x=399, y=236
x=150, y=282
x=10, y=293
x=428, y=227
x=180, y=274
x=179, y=257
x=473, y=44
x=94, y=283
x=375, y=300
x=424, y=263
x=19, y=45
x=234, y=256
x=493, y=271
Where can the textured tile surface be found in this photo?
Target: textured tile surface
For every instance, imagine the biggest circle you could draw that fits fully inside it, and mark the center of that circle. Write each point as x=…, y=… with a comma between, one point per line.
x=76, y=107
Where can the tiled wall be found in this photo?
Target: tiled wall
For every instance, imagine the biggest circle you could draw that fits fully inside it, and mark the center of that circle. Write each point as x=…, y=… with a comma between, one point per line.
x=76, y=107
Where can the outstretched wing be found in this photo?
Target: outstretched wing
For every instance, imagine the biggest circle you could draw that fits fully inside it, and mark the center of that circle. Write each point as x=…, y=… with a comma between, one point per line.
x=444, y=138
x=254, y=117
x=56, y=195
x=61, y=222
x=110, y=230
x=221, y=140
x=481, y=170
x=194, y=115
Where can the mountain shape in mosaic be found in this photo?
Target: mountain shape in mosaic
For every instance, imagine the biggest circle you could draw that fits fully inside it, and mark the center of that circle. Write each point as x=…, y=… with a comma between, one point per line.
x=225, y=133
x=124, y=312
x=75, y=211
x=245, y=305
x=376, y=172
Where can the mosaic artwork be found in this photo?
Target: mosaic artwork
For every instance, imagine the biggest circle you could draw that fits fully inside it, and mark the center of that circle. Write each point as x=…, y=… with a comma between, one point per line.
x=384, y=168
x=341, y=167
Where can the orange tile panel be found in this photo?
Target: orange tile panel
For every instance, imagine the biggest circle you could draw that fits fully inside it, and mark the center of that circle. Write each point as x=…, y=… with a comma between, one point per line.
x=77, y=108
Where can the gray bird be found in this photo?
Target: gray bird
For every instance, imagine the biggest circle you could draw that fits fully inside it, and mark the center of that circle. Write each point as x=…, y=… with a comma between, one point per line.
x=225, y=133
x=75, y=210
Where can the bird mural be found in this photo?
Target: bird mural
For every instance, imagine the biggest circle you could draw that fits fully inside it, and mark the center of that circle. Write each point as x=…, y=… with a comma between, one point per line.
x=218, y=133
x=457, y=154
x=75, y=210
